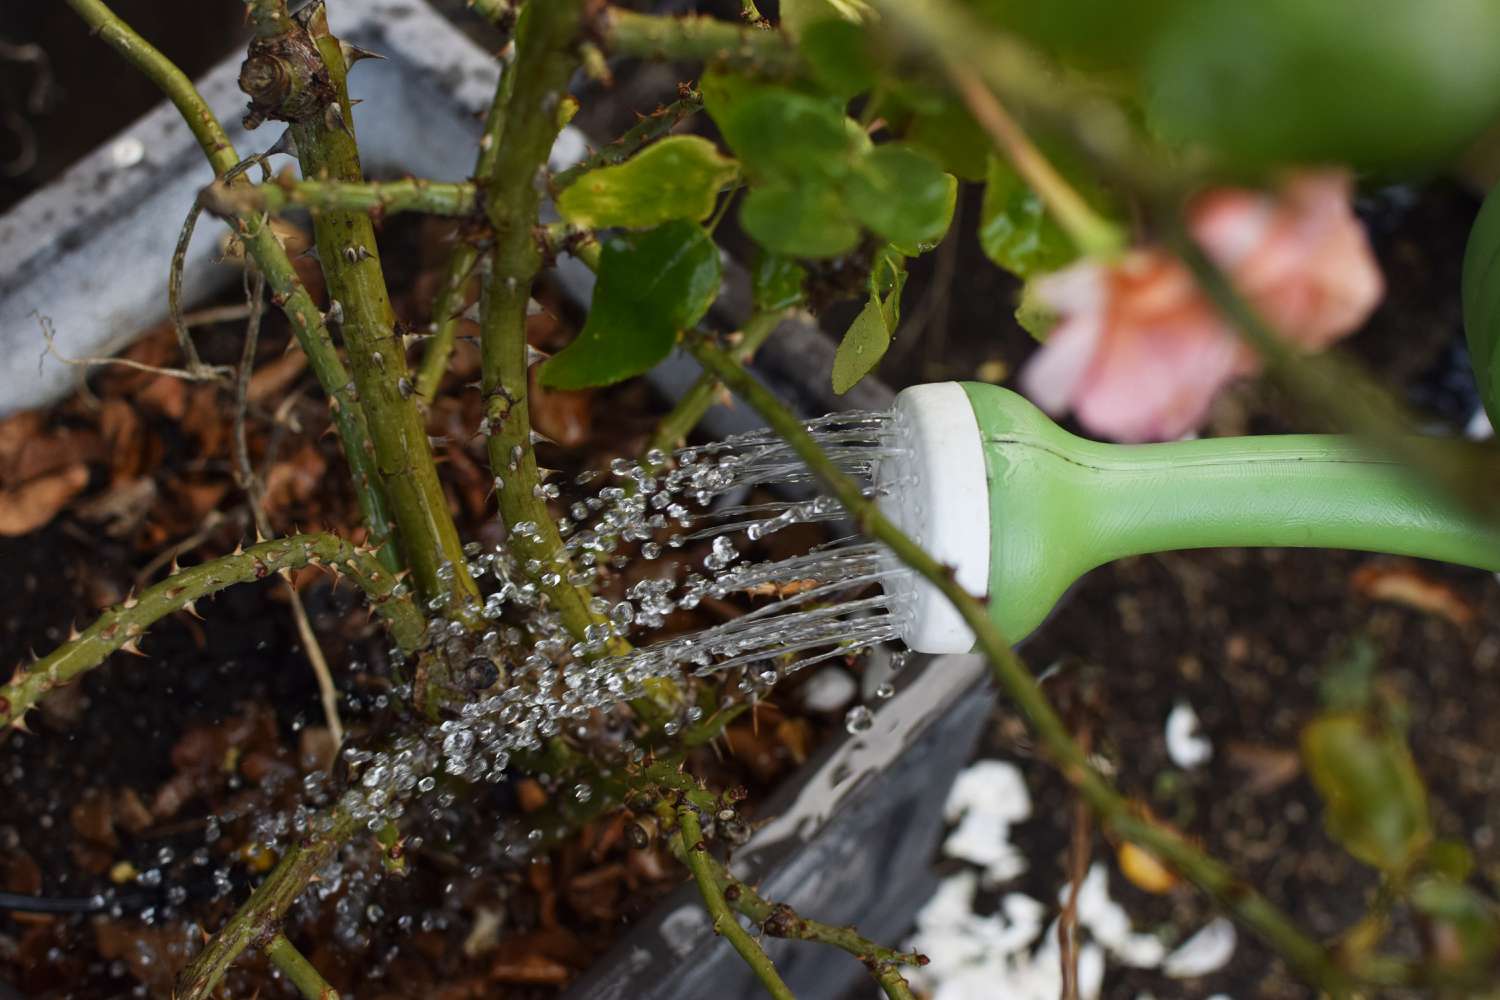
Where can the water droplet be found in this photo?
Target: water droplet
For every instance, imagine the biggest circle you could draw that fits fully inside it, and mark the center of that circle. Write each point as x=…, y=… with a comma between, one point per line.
x=859, y=719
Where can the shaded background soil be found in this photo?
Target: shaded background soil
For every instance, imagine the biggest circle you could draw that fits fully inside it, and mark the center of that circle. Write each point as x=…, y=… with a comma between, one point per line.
x=1241, y=636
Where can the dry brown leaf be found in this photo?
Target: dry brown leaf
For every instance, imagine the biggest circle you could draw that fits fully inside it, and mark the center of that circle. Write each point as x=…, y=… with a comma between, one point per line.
x=122, y=509
x=164, y=394
x=124, y=438
x=29, y=506
x=1266, y=767
x=271, y=380
x=296, y=480
x=565, y=416
x=1403, y=583
x=15, y=432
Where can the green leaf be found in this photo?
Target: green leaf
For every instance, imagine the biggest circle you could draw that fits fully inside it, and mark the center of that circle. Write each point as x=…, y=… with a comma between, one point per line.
x=804, y=220
x=864, y=344
x=677, y=178
x=780, y=134
x=1376, y=802
x=1464, y=926
x=652, y=285
x=776, y=282
x=798, y=15
x=1015, y=230
x=952, y=136
x=1033, y=315
x=837, y=53
x=1383, y=84
x=901, y=195
x=1481, y=303
x=869, y=336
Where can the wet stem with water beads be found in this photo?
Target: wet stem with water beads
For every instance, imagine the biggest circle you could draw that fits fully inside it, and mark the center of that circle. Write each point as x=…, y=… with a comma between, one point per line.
x=812, y=186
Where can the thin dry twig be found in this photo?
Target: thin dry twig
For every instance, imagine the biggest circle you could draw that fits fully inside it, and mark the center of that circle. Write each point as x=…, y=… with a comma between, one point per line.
x=1078, y=863
x=205, y=373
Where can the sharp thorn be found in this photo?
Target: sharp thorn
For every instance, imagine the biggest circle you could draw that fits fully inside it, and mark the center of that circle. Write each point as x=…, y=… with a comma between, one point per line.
x=539, y=438
x=353, y=53
x=191, y=607
x=534, y=308
x=333, y=119
x=285, y=145
x=533, y=355
x=132, y=646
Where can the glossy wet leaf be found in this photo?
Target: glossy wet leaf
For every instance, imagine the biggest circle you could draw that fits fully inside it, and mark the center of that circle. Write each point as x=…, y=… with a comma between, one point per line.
x=652, y=285
x=782, y=135
x=837, y=53
x=1386, y=84
x=801, y=220
x=1462, y=925
x=776, y=282
x=1375, y=802
x=1015, y=229
x=679, y=177
x=902, y=195
x=869, y=336
x=1481, y=303
x=864, y=344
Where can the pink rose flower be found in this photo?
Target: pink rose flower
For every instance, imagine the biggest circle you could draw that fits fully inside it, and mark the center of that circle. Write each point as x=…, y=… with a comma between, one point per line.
x=1139, y=353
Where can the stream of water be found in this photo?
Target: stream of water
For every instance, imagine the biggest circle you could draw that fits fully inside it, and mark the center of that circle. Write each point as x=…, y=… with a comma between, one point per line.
x=820, y=604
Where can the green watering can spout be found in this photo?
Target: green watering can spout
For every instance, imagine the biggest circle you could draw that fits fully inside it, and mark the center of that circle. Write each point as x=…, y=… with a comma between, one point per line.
x=1020, y=508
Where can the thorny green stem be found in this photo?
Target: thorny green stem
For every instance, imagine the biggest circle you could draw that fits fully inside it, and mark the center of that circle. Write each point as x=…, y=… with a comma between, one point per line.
x=564, y=237
x=657, y=124
x=122, y=626
x=259, y=918
x=695, y=856
x=780, y=920
x=544, y=62
x=298, y=970
x=377, y=356
x=378, y=198
x=465, y=255
x=1228, y=890
x=269, y=255
x=698, y=38
x=447, y=311
x=680, y=421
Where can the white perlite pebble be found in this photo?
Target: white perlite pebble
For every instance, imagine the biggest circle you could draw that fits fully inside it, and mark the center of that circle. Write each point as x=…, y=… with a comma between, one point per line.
x=1186, y=744
x=988, y=797
x=127, y=152
x=1207, y=951
x=829, y=690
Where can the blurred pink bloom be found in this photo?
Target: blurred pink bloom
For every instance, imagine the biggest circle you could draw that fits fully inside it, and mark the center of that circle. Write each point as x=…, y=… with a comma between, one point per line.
x=1139, y=353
